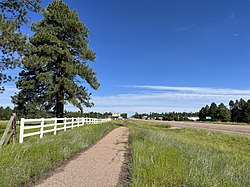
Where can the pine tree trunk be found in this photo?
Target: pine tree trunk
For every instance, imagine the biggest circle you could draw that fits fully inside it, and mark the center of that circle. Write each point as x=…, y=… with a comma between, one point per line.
x=60, y=104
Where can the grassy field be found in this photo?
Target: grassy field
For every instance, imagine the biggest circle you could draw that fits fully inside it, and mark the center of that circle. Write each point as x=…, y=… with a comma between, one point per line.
x=185, y=157
x=3, y=125
x=24, y=163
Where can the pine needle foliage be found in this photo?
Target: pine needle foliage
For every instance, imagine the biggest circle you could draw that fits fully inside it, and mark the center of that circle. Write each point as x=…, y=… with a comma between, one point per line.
x=13, y=13
x=56, y=64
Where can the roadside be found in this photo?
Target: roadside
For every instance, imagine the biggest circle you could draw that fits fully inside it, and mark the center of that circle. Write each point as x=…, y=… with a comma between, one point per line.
x=238, y=129
x=187, y=157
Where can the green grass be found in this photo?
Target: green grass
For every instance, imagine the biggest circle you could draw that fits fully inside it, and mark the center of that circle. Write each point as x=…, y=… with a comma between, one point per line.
x=3, y=125
x=186, y=157
x=24, y=163
x=231, y=123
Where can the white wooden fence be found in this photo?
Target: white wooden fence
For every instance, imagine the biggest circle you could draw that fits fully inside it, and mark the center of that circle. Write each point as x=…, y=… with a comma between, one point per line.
x=47, y=125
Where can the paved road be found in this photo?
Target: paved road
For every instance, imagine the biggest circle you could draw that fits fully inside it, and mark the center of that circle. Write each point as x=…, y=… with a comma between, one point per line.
x=239, y=129
x=98, y=166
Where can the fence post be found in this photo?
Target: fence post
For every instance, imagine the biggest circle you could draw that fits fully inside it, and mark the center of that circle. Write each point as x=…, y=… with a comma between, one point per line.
x=14, y=137
x=21, y=131
x=78, y=123
x=72, y=126
x=55, y=126
x=41, y=129
x=65, y=124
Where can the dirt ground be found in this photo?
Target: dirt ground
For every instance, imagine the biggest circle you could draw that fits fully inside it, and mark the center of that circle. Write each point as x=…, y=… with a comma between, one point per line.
x=239, y=129
x=98, y=166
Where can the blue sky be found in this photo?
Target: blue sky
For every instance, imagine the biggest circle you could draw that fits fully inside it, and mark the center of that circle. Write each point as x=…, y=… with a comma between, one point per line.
x=162, y=55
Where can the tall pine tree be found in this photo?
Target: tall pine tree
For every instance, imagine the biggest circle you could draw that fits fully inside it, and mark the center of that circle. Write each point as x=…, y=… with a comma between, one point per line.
x=55, y=66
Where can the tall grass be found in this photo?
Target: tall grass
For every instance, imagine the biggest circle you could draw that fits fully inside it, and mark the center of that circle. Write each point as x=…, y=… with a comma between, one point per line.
x=185, y=157
x=23, y=163
x=3, y=125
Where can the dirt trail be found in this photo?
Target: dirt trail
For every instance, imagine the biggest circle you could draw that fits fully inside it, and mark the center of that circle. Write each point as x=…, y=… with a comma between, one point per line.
x=238, y=129
x=98, y=166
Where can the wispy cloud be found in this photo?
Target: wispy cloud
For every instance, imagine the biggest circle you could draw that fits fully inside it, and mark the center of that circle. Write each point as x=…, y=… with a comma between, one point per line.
x=155, y=98
x=236, y=34
x=198, y=90
x=183, y=28
x=167, y=98
x=231, y=16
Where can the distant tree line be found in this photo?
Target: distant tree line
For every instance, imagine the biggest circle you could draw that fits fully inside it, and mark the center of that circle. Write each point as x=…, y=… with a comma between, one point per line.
x=215, y=113
x=92, y=114
x=176, y=116
x=5, y=114
x=238, y=111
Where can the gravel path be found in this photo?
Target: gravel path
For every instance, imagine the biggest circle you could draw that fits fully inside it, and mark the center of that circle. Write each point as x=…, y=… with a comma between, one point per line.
x=98, y=166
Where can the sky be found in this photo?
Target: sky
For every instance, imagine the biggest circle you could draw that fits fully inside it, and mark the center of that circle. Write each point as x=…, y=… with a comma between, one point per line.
x=164, y=55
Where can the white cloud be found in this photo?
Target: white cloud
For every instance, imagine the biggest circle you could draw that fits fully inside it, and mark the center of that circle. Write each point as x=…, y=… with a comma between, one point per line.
x=154, y=98
x=166, y=99
x=198, y=90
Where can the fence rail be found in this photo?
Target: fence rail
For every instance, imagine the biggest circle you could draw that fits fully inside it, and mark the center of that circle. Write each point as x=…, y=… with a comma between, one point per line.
x=47, y=125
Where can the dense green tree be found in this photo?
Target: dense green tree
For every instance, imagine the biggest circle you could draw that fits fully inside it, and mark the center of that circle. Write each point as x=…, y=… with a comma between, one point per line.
x=223, y=113
x=124, y=115
x=107, y=114
x=55, y=66
x=5, y=113
x=242, y=105
x=234, y=111
x=239, y=111
x=203, y=113
x=136, y=115
x=13, y=13
x=231, y=105
x=246, y=112
x=212, y=111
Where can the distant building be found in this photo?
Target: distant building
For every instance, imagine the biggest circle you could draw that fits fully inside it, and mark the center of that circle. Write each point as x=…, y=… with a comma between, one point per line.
x=193, y=118
x=116, y=117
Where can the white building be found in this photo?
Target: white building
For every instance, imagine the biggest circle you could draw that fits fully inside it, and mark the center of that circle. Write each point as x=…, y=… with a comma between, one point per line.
x=193, y=118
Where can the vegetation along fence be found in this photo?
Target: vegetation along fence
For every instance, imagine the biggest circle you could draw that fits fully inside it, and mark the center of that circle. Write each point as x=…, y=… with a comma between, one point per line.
x=31, y=127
